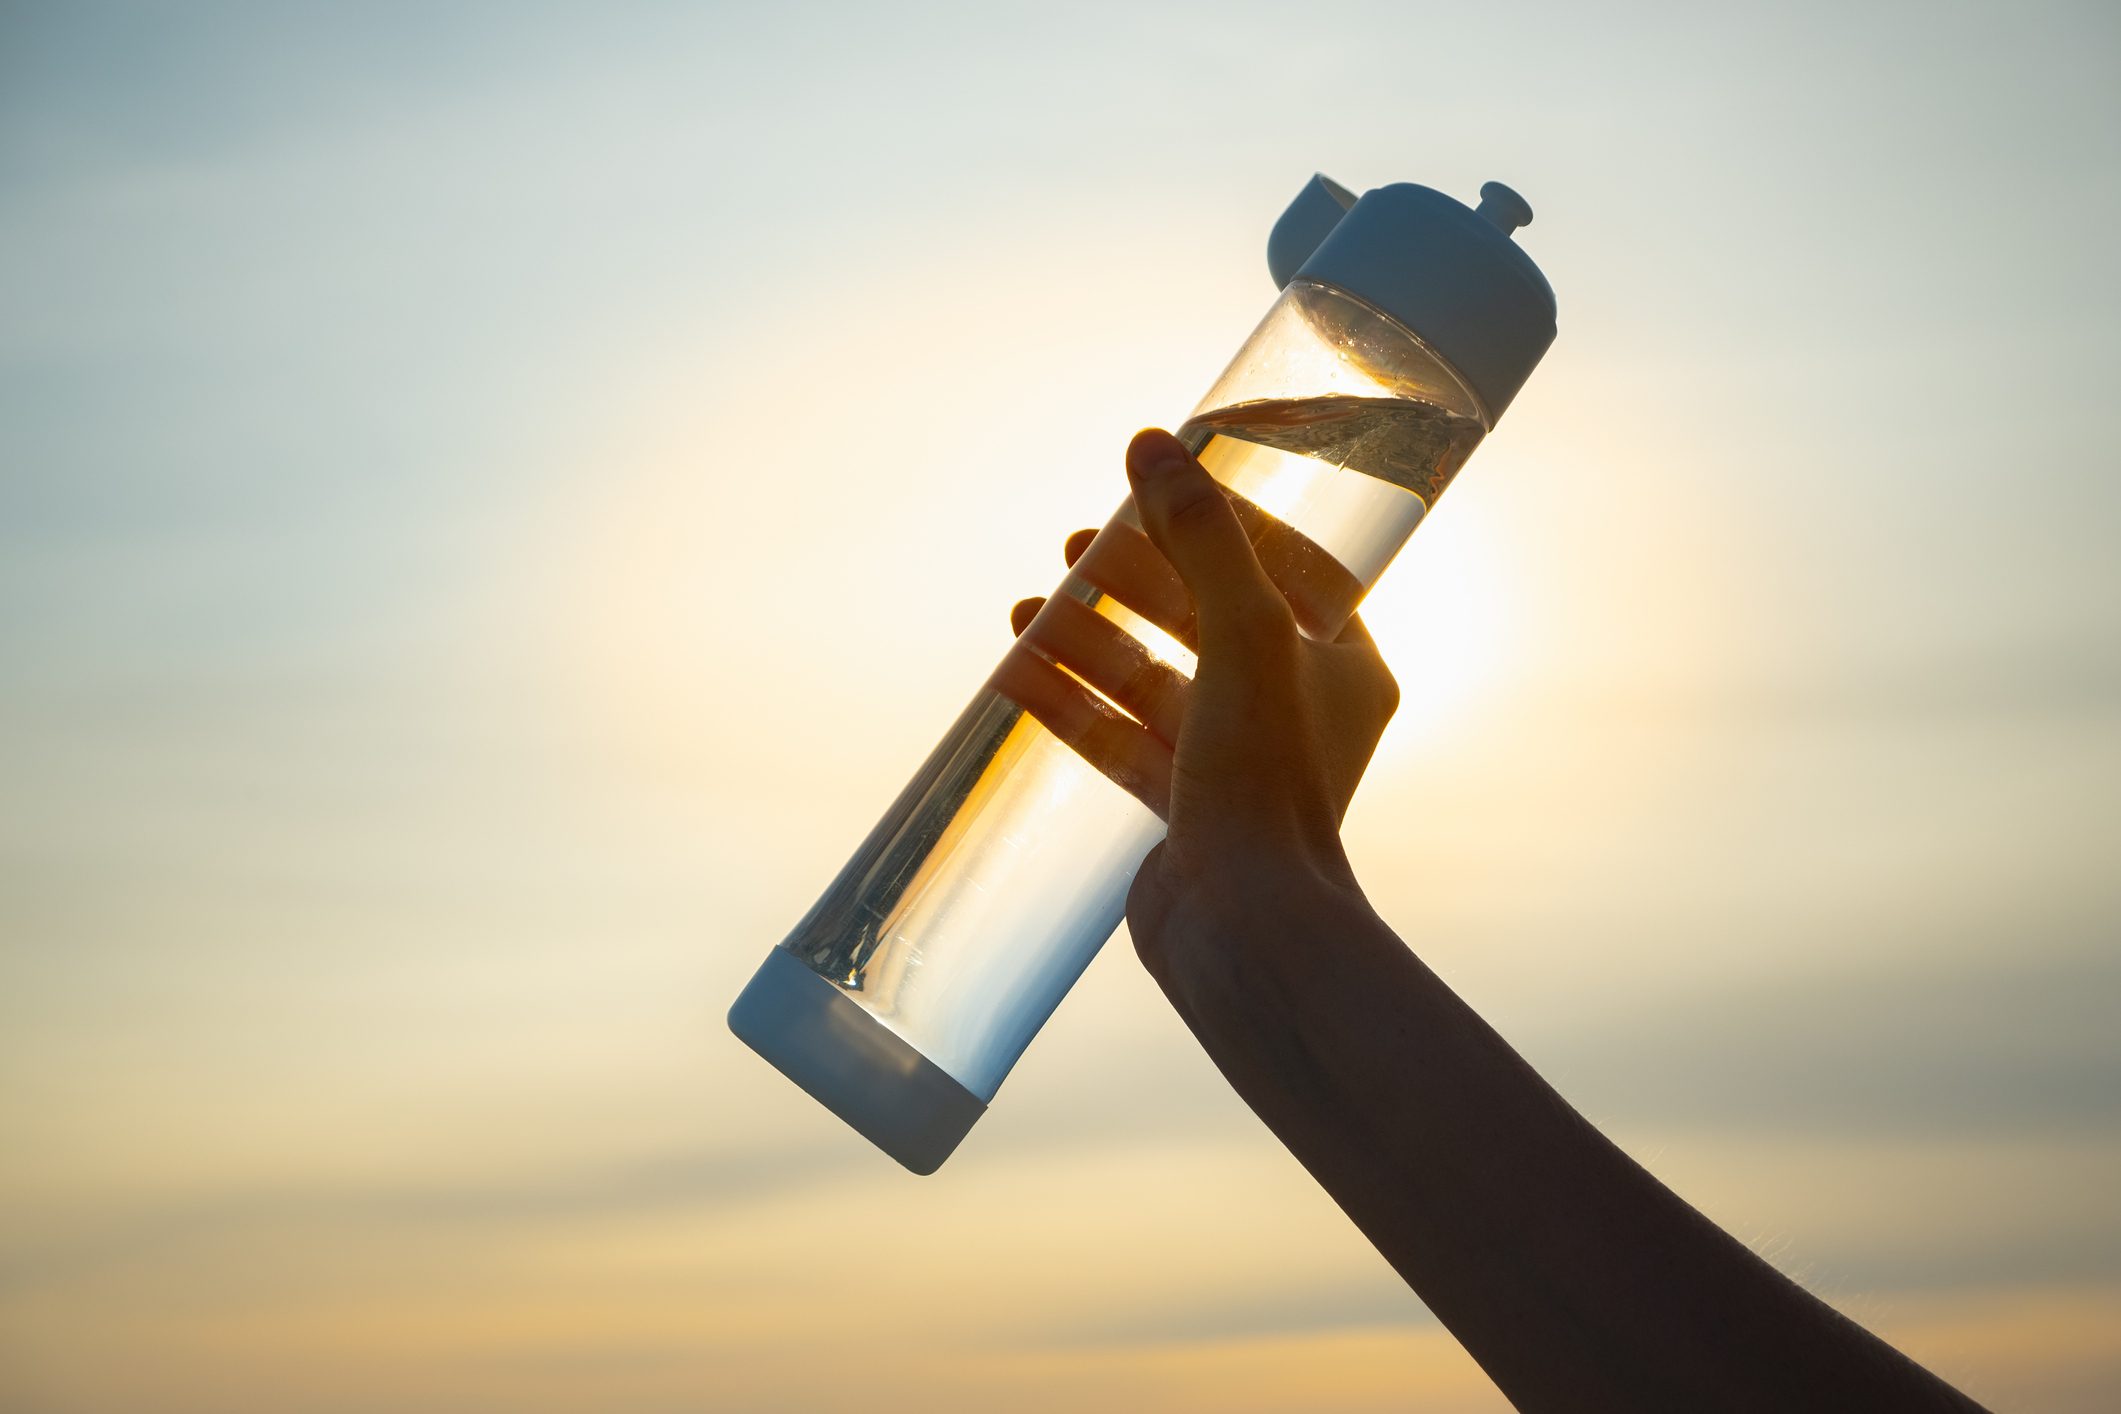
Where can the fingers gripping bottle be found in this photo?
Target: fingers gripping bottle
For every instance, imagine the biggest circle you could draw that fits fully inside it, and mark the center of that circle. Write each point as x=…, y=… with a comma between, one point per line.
x=1406, y=324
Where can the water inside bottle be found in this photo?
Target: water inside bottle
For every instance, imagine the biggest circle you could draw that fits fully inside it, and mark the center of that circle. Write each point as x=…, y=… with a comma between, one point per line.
x=1352, y=476
x=1004, y=865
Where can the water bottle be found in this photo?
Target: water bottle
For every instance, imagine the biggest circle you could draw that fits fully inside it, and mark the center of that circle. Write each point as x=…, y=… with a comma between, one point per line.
x=1406, y=324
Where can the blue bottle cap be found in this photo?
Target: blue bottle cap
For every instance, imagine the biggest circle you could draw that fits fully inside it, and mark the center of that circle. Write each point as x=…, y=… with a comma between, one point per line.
x=1447, y=271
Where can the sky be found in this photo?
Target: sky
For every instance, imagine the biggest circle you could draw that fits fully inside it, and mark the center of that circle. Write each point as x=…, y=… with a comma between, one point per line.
x=494, y=500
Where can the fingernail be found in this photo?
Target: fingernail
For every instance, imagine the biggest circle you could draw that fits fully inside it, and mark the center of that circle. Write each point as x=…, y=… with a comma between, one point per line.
x=1166, y=459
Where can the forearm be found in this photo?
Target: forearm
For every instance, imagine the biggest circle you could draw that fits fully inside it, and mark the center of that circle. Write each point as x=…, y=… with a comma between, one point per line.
x=1574, y=1277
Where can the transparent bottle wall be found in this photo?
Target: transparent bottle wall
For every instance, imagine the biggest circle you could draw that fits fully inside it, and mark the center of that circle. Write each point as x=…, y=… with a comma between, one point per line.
x=992, y=881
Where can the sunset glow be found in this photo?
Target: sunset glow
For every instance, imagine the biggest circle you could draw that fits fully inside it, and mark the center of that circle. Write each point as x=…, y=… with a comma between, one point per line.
x=496, y=502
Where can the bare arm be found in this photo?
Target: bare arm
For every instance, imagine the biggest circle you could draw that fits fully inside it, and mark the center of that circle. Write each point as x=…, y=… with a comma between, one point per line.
x=1576, y=1279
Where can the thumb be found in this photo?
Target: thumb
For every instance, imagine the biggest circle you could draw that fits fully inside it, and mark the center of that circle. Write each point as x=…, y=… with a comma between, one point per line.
x=1186, y=514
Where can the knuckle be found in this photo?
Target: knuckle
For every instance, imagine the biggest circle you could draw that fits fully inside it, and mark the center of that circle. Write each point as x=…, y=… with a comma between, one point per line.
x=1387, y=689
x=1193, y=507
x=1264, y=622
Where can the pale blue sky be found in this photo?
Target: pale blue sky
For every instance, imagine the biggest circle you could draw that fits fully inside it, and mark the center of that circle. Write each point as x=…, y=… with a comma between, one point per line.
x=493, y=503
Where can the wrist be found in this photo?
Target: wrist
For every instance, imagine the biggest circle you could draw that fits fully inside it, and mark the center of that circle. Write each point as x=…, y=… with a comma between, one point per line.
x=1260, y=916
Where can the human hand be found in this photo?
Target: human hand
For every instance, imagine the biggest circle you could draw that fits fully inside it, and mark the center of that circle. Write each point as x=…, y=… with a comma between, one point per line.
x=1517, y=1222
x=1252, y=763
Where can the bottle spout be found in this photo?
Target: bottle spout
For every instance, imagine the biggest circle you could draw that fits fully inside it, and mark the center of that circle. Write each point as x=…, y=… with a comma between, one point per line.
x=1504, y=209
x=1315, y=212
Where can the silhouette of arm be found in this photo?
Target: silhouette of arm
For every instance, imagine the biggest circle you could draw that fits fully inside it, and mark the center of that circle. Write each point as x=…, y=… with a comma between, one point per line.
x=1577, y=1280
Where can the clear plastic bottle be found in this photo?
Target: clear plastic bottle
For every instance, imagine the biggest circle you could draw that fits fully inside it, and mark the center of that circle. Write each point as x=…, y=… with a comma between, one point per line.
x=904, y=997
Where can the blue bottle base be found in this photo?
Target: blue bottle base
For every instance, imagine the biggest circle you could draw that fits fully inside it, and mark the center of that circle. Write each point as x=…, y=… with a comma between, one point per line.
x=853, y=1064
